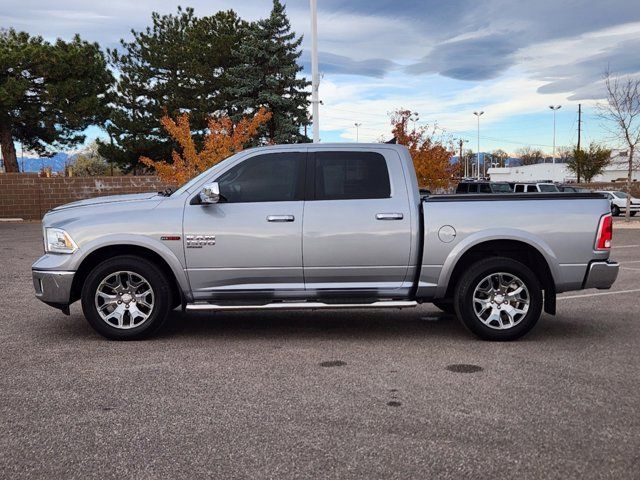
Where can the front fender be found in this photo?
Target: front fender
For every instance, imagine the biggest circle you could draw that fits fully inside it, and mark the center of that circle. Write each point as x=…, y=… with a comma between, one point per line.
x=167, y=254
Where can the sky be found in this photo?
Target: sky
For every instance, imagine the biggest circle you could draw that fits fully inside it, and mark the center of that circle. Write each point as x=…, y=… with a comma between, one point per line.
x=442, y=59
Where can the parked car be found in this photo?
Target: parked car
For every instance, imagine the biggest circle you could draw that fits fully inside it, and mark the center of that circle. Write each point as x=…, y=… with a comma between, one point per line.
x=572, y=189
x=321, y=226
x=618, y=201
x=483, y=187
x=535, y=187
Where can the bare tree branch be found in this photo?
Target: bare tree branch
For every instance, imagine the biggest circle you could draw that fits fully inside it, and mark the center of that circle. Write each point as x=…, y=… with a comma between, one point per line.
x=622, y=112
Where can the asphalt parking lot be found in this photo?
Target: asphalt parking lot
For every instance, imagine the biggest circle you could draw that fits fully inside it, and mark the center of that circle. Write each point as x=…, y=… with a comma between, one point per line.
x=359, y=394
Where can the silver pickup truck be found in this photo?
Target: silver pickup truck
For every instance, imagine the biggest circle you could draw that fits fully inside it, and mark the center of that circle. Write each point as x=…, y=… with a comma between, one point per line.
x=316, y=227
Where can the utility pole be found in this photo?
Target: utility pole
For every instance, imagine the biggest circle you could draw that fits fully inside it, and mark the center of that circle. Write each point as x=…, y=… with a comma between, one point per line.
x=357, y=125
x=314, y=71
x=554, y=108
x=579, y=124
x=478, y=114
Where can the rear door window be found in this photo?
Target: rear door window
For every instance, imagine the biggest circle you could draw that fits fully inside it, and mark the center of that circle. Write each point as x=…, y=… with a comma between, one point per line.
x=519, y=188
x=531, y=188
x=351, y=175
x=485, y=188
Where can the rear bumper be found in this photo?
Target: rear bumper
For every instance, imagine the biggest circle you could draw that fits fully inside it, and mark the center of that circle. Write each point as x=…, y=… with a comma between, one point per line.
x=53, y=287
x=601, y=275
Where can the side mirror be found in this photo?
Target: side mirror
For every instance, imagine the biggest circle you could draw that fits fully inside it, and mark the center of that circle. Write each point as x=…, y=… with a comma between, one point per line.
x=210, y=193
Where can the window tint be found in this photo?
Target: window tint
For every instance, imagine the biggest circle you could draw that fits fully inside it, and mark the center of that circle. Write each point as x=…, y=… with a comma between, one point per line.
x=351, y=175
x=485, y=188
x=462, y=188
x=532, y=188
x=547, y=187
x=273, y=177
x=519, y=188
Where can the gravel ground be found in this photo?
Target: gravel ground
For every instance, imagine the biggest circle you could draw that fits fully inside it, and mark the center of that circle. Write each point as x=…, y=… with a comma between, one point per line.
x=362, y=394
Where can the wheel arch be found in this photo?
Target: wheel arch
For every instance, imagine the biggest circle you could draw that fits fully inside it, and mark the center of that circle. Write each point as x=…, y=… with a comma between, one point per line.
x=516, y=249
x=97, y=256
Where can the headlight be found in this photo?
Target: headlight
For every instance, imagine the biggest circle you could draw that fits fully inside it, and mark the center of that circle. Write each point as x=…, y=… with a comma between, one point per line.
x=58, y=241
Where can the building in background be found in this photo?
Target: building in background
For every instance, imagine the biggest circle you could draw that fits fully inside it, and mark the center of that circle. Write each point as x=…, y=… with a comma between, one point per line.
x=558, y=172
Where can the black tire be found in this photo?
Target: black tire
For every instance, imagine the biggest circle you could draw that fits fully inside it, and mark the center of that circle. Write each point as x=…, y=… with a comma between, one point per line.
x=473, y=277
x=149, y=272
x=633, y=214
x=446, y=305
x=615, y=210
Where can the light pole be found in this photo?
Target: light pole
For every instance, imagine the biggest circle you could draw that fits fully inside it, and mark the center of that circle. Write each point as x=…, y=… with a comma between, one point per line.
x=357, y=125
x=478, y=114
x=314, y=71
x=414, y=118
x=554, y=108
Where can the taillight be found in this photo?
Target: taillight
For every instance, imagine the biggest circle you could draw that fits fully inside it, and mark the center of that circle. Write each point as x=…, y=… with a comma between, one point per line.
x=605, y=233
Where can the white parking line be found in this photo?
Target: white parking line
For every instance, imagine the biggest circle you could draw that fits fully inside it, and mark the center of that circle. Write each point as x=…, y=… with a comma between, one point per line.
x=598, y=294
x=630, y=268
x=625, y=246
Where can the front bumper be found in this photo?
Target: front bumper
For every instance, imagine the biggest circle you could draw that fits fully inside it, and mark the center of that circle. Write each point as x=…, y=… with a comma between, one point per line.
x=601, y=275
x=53, y=287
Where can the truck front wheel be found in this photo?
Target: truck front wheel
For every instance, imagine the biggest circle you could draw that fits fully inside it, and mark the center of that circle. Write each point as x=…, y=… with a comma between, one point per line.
x=126, y=298
x=498, y=298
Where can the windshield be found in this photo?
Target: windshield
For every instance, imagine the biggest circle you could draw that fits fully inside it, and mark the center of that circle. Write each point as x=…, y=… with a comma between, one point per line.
x=620, y=194
x=197, y=179
x=547, y=187
x=501, y=188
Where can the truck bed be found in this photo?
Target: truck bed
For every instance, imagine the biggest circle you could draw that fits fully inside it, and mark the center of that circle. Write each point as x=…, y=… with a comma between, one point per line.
x=550, y=226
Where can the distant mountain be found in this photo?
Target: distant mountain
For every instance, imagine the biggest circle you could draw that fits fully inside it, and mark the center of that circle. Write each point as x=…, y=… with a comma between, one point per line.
x=34, y=164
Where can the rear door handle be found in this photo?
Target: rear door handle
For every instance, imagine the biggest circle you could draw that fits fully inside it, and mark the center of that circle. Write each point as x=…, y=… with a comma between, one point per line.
x=280, y=218
x=389, y=216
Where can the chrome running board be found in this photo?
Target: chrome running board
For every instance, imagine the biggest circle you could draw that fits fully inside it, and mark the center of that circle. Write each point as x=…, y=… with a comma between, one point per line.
x=303, y=305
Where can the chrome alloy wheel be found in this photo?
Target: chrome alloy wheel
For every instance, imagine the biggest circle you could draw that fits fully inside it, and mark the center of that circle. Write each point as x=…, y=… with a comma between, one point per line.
x=124, y=300
x=501, y=300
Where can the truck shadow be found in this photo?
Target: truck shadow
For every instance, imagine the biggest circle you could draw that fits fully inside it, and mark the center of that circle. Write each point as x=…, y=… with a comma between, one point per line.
x=425, y=322
x=312, y=325
x=363, y=324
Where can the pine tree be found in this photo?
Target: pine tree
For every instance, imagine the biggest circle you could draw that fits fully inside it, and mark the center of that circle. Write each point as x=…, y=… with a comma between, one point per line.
x=49, y=92
x=265, y=74
x=177, y=65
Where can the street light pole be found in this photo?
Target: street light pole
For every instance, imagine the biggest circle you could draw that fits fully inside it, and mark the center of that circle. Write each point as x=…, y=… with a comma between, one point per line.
x=357, y=125
x=414, y=118
x=554, y=108
x=314, y=71
x=478, y=114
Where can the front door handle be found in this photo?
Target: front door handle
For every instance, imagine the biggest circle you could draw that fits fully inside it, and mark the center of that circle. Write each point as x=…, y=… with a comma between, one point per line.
x=389, y=216
x=280, y=218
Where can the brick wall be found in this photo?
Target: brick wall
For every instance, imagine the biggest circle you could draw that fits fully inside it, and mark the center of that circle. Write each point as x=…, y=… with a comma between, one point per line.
x=28, y=196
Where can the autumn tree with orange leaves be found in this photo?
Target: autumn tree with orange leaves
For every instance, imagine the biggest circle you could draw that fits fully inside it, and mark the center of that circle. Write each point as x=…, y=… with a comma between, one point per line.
x=429, y=147
x=223, y=139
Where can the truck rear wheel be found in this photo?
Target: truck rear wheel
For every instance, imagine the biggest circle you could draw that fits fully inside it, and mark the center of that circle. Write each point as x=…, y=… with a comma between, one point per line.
x=498, y=299
x=126, y=298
